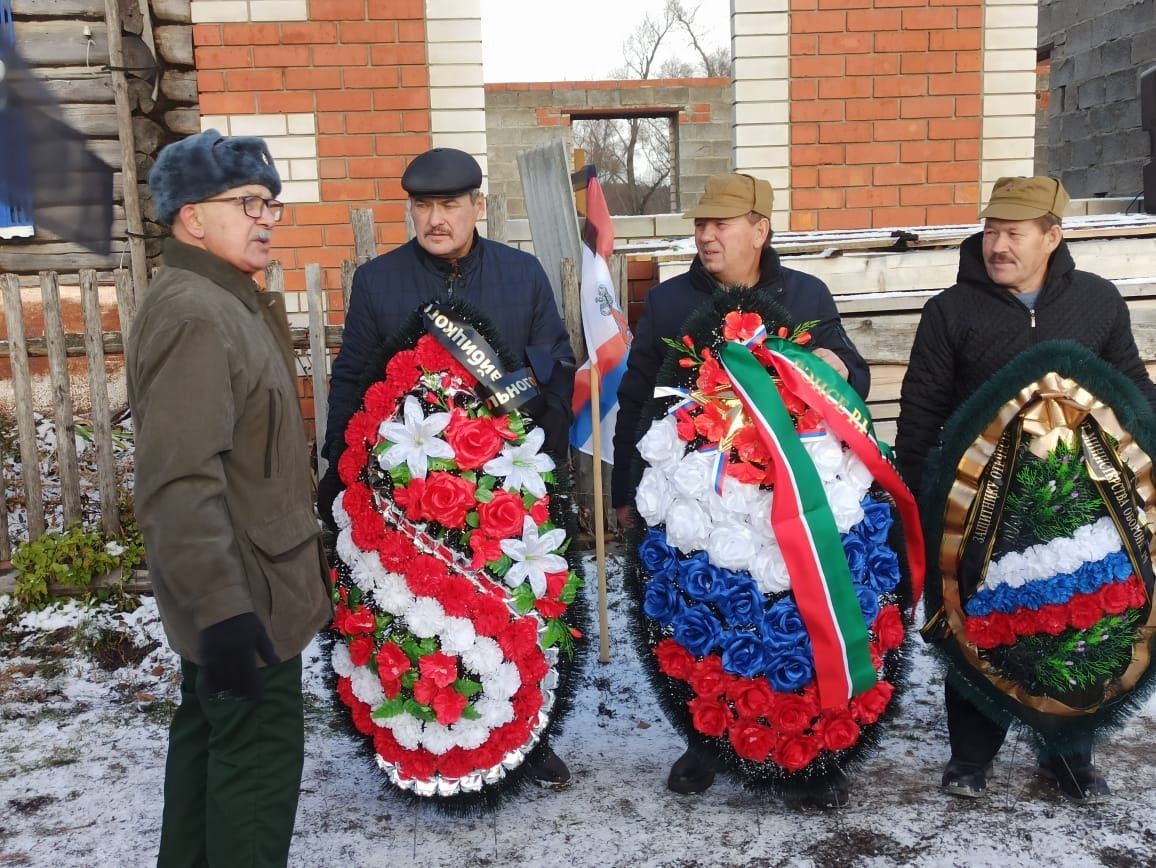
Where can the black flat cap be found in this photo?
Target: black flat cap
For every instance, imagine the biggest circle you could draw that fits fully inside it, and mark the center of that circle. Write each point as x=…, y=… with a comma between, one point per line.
x=442, y=172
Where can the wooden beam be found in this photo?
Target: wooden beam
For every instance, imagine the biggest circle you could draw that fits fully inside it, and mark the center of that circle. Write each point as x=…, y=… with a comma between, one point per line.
x=318, y=358
x=61, y=399
x=98, y=403
x=25, y=424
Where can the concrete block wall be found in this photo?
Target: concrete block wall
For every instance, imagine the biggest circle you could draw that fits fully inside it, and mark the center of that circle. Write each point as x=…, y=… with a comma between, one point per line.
x=521, y=116
x=1094, y=141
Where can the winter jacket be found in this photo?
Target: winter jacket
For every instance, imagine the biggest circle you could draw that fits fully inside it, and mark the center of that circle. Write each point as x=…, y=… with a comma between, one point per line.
x=223, y=485
x=671, y=303
x=507, y=285
x=973, y=329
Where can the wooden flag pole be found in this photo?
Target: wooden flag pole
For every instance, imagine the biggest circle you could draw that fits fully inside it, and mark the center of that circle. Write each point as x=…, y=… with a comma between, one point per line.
x=599, y=519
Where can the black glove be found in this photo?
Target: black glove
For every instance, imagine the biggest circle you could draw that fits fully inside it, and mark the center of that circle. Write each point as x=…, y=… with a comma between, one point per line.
x=328, y=488
x=229, y=652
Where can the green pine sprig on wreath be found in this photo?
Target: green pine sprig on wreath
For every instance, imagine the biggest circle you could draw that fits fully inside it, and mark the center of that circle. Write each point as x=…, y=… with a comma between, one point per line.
x=1054, y=496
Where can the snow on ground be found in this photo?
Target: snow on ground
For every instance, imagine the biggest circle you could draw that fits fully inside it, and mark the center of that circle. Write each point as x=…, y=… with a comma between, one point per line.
x=82, y=765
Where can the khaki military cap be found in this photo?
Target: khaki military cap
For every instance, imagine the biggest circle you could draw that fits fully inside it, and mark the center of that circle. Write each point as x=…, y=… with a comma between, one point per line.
x=1026, y=199
x=732, y=196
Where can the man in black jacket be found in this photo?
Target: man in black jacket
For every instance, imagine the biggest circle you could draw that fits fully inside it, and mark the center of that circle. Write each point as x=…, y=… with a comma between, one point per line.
x=732, y=233
x=1017, y=286
x=447, y=257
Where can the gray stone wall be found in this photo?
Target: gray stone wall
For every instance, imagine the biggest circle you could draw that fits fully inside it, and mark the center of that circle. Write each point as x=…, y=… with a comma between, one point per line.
x=1100, y=47
x=524, y=116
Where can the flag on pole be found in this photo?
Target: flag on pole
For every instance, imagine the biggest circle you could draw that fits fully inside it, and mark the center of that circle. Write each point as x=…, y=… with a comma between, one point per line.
x=606, y=328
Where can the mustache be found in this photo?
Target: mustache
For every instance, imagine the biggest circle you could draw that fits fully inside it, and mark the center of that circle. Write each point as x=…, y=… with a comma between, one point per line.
x=264, y=234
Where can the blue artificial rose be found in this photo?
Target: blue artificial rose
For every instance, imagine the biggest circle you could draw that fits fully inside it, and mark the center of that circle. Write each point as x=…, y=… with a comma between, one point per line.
x=743, y=654
x=876, y=523
x=855, y=549
x=698, y=577
x=656, y=556
x=1057, y=591
x=697, y=630
x=661, y=600
x=868, y=603
x=783, y=625
x=1003, y=599
x=790, y=670
x=742, y=605
x=882, y=569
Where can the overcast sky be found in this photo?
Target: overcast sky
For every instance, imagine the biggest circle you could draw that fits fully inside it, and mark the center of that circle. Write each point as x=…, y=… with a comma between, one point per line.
x=534, y=40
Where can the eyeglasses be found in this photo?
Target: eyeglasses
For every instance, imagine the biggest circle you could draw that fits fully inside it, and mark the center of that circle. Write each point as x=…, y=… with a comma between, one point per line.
x=254, y=206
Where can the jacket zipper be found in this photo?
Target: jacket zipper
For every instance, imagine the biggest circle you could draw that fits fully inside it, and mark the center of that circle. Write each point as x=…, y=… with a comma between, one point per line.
x=454, y=274
x=1033, y=325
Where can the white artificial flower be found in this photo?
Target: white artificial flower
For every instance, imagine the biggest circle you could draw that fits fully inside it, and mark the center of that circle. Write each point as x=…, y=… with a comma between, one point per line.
x=484, y=656
x=693, y=476
x=415, y=440
x=457, y=636
x=426, y=617
x=393, y=594
x=493, y=712
x=855, y=471
x=739, y=497
x=1089, y=543
x=406, y=729
x=471, y=734
x=687, y=525
x=347, y=550
x=367, y=687
x=660, y=446
x=342, y=663
x=522, y=466
x=731, y=547
x=340, y=516
x=533, y=556
x=769, y=570
x=653, y=496
x=844, y=500
x=826, y=454
x=503, y=682
x=437, y=739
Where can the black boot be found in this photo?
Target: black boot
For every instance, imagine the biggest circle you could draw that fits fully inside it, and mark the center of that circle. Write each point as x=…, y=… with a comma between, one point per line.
x=835, y=793
x=693, y=772
x=547, y=770
x=964, y=779
x=1076, y=778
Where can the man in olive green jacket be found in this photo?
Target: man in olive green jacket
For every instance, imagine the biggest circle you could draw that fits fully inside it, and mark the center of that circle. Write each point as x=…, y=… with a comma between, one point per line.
x=224, y=498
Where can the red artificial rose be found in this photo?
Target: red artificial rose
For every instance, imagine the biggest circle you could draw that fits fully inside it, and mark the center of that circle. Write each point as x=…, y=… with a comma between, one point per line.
x=539, y=512
x=795, y=752
x=360, y=650
x=709, y=679
x=1115, y=597
x=360, y=620
x=1052, y=620
x=403, y=370
x=339, y=615
x=360, y=431
x=424, y=690
x=989, y=632
x=502, y=517
x=345, y=691
x=550, y=608
x=418, y=764
x=889, y=627
x=409, y=498
x=448, y=498
x=752, y=740
x=869, y=706
x=439, y=667
x=425, y=575
x=519, y=639
x=489, y=615
x=362, y=718
x=710, y=716
x=381, y=400
x=674, y=660
x=474, y=441
x=684, y=425
x=1084, y=611
x=385, y=744
x=486, y=549
x=392, y=663
x=455, y=596
x=556, y=583
x=448, y=705
x=368, y=532
x=837, y=730
x=792, y=713
x=752, y=698
x=533, y=668
x=395, y=551
x=1024, y=622
x=349, y=465
x=739, y=326
x=527, y=701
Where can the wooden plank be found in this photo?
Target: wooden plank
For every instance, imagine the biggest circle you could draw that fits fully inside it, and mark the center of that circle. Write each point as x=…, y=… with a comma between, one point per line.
x=318, y=358
x=549, y=197
x=93, y=120
x=131, y=190
x=497, y=224
x=22, y=390
x=77, y=84
x=125, y=303
x=364, y=239
x=62, y=43
x=582, y=463
x=275, y=276
x=347, y=269
x=138, y=583
x=5, y=541
x=98, y=398
x=58, y=9
x=61, y=399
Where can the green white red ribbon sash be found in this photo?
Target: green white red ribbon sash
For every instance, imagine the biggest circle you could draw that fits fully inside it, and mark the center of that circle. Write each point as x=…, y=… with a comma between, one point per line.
x=809, y=539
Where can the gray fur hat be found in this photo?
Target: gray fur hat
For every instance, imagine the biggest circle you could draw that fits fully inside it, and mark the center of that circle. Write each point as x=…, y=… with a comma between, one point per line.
x=201, y=166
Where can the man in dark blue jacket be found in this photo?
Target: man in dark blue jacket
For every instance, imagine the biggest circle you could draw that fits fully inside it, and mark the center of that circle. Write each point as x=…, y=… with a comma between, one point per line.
x=732, y=232
x=447, y=257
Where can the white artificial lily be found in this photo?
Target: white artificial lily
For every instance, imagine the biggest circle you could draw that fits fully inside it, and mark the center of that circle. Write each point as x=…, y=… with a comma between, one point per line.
x=534, y=557
x=415, y=440
x=522, y=466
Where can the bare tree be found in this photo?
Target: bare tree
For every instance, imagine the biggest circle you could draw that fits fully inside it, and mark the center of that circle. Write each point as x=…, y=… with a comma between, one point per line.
x=716, y=62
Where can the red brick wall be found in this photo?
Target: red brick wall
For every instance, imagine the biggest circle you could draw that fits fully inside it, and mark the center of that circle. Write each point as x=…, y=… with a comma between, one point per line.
x=360, y=67
x=885, y=112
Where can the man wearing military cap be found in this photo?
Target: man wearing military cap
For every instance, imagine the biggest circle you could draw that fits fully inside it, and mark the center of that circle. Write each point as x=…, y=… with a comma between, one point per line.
x=1017, y=286
x=224, y=497
x=447, y=257
x=732, y=233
